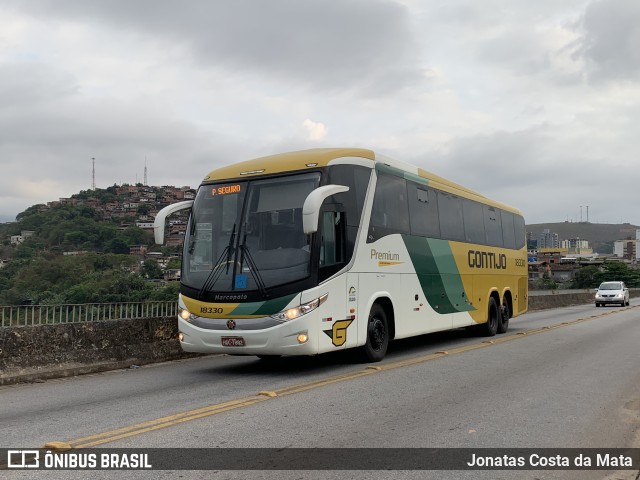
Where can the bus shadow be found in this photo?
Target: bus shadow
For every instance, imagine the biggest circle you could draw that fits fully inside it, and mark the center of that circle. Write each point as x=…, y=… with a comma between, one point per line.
x=332, y=361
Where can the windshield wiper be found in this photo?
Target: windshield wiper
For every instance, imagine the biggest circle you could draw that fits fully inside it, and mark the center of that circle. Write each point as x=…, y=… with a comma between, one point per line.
x=216, y=271
x=253, y=268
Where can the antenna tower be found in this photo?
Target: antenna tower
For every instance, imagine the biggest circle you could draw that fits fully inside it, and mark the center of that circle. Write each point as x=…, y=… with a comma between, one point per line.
x=145, y=171
x=93, y=173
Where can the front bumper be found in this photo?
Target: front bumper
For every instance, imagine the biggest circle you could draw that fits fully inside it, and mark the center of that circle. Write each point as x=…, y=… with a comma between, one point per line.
x=281, y=339
x=617, y=299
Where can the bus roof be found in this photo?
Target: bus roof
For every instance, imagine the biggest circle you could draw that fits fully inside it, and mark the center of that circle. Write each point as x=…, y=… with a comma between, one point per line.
x=321, y=157
x=289, y=161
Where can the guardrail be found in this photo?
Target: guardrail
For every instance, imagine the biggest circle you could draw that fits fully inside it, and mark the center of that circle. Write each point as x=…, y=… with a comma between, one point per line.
x=32, y=315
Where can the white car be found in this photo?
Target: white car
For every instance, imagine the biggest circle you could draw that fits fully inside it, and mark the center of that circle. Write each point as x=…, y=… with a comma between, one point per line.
x=612, y=292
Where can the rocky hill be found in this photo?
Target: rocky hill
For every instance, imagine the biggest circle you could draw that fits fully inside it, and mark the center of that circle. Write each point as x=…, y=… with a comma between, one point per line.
x=600, y=236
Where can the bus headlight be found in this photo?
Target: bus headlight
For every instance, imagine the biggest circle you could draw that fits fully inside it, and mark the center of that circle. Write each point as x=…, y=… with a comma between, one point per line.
x=186, y=314
x=295, y=312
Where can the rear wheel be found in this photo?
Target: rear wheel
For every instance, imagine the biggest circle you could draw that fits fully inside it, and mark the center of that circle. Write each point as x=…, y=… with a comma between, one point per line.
x=505, y=315
x=490, y=328
x=377, y=335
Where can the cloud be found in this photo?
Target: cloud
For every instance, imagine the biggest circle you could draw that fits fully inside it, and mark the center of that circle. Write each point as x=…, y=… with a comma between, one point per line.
x=331, y=45
x=316, y=131
x=519, y=100
x=611, y=39
x=547, y=171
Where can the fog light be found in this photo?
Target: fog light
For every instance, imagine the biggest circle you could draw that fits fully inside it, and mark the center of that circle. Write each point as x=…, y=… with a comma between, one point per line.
x=181, y=336
x=302, y=338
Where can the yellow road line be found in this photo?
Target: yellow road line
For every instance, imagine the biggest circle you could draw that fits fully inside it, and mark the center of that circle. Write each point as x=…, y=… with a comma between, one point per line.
x=163, y=422
x=263, y=396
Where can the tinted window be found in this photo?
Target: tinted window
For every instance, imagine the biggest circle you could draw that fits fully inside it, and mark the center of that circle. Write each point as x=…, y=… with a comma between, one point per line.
x=508, y=233
x=493, y=226
x=473, y=222
x=519, y=231
x=450, y=214
x=423, y=211
x=357, y=179
x=390, y=212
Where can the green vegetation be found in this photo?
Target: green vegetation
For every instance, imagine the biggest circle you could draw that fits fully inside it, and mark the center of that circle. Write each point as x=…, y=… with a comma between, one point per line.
x=91, y=278
x=38, y=273
x=591, y=277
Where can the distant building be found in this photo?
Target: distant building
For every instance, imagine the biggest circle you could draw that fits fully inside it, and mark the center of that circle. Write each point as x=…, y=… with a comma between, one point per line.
x=628, y=249
x=547, y=239
x=18, y=239
x=172, y=274
x=145, y=225
x=576, y=246
x=138, y=250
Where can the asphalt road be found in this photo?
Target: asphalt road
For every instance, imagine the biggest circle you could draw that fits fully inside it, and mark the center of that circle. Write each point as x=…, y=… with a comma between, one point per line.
x=564, y=378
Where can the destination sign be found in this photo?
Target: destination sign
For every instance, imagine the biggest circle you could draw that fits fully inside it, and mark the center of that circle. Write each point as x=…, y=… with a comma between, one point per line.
x=225, y=190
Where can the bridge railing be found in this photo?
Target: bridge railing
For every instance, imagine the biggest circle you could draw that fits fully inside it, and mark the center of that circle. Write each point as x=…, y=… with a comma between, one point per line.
x=31, y=315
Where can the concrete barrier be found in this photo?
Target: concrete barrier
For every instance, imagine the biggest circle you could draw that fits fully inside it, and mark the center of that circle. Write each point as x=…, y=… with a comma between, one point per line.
x=540, y=300
x=37, y=353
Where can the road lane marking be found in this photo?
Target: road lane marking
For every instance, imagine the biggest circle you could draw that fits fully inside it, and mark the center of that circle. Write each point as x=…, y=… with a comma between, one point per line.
x=266, y=395
x=163, y=422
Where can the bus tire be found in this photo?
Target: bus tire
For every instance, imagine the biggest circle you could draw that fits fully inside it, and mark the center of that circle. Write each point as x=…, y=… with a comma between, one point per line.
x=490, y=327
x=505, y=315
x=375, y=348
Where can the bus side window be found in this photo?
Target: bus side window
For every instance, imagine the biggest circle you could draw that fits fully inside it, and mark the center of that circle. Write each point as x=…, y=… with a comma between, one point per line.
x=450, y=213
x=508, y=233
x=332, y=243
x=390, y=212
x=520, y=233
x=493, y=226
x=423, y=211
x=473, y=222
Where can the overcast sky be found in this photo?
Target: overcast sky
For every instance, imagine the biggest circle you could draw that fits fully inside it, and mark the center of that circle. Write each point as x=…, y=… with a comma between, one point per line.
x=533, y=103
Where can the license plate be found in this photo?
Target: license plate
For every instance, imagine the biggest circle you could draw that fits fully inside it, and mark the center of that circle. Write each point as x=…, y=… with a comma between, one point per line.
x=233, y=342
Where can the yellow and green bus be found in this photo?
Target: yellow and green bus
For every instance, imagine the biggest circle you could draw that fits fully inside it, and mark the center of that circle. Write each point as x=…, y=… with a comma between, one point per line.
x=321, y=250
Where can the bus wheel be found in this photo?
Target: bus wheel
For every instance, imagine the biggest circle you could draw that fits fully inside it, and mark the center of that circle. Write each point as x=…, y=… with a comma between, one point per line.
x=490, y=328
x=505, y=315
x=377, y=335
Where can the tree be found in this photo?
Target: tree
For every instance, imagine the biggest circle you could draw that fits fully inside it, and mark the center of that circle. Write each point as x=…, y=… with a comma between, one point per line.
x=117, y=245
x=584, y=277
x=612, y=271
x=151, y=269
x=174, y=263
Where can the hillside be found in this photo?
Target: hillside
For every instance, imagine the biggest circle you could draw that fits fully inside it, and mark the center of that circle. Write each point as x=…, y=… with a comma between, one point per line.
x=598, y=235
x=88, y=248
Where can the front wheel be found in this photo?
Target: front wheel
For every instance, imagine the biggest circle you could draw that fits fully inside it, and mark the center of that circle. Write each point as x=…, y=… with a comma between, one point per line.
x=377, y=335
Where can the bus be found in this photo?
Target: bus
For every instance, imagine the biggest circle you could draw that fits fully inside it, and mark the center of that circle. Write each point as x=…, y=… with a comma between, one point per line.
x=327, y=249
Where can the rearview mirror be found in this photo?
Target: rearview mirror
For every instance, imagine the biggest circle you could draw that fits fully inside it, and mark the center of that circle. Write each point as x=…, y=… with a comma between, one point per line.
x=158, y=223
x=312, y=204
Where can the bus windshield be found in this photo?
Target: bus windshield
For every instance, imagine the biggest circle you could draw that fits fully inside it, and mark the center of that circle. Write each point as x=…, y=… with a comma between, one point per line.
x=248, y=236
